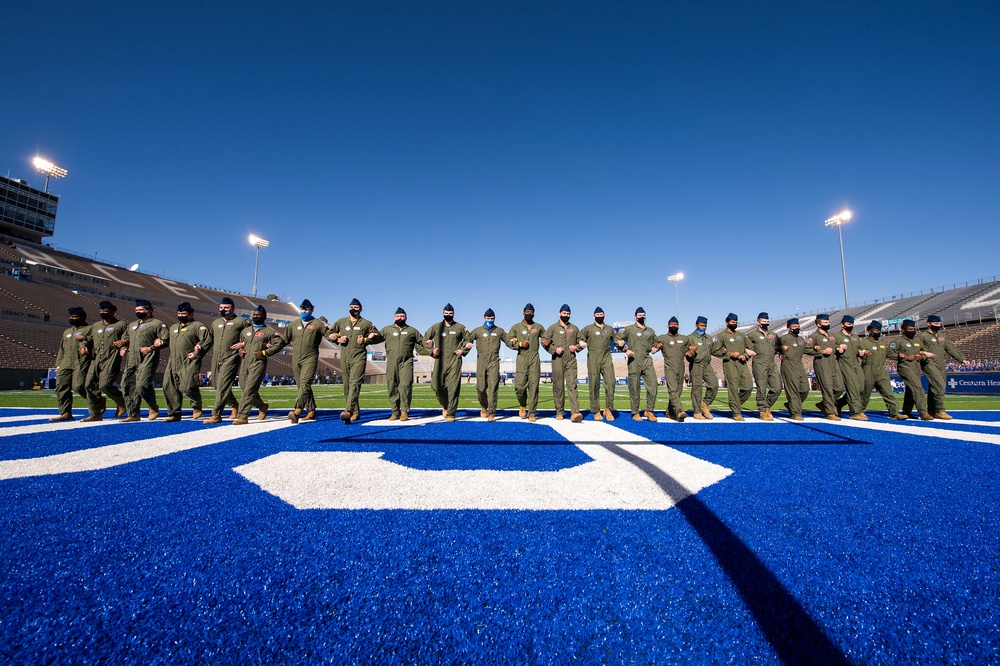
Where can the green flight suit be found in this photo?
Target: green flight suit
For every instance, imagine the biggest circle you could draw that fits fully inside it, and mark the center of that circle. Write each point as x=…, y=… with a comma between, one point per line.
x=850, y=370
x=908, y=354
x=564, y=366
x=734, y=370
x=488, y=344
x=72, y=369
x=764, y=367
x=936, y=368
x=674, y=348
x=827, y=369
x=446, y=377
x=181, y=376
x=252, y=371
x=105, y=368
x=226, y=361
x=528, y=364
x=600, y=364
x=304, y=337
x=400, y=343
x=353, y=356
x=793, y=373
x=137, y=381
x=875, y=374
x=700, y=368
x=641, y=340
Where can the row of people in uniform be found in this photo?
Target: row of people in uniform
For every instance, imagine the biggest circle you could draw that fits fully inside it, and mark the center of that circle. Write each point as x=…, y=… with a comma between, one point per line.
x=94, y=359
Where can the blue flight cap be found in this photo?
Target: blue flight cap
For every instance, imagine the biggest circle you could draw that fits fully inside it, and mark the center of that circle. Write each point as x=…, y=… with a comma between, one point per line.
x=355, y=301
x=107, y=305
x=933, y=318
x=529, y=308
x=639, y=310
x=185, y=307
x=762, y=315
x=260, y=308
x=875, y=325
x=564, y=308
x=306, y=305
x=908, y=322
x=673, y=320
x=489, y=313
x=793, y=320
x=701, y=320
x=847, y=319
x=448, y=308
x=77, y=311
x=598, y=310
x=732, y=317
x=142, y=303
x=822, y=316
x=227, y=301
x=400, y=311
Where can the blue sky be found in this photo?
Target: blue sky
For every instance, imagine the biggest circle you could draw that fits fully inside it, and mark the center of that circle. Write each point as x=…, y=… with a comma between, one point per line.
x=490, y=154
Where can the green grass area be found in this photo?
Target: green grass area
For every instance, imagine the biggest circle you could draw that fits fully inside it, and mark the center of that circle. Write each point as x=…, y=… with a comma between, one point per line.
x=376, y=396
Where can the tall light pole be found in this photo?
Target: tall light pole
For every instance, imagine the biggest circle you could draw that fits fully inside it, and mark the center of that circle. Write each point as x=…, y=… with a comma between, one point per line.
x=839, y=221
x=676, y=278
x=49, y=169
x=258, y=242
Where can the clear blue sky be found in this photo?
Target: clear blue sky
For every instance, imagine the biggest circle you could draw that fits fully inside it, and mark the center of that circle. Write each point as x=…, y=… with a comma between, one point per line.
x=490, y=154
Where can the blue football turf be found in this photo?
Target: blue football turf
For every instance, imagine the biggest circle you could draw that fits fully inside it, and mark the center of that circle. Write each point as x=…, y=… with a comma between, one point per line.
x=826, y=545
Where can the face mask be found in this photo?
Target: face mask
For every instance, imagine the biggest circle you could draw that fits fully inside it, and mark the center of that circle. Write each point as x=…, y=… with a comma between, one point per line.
x=700, y=331
x=876, y=335
x=732, y=326
x=848, y=329
x=910, y=334
x=673, y=330
x=489, y=324
x=640, y=320
x=449, y=318
x=141, y=315
x=563, y=319
x=793, y=331
x=824, y=327
x=355, y=312
x=529, y=318
x=183, y=319
x=599, y=320
x=257, y=322
x=225, y=313
x=77, y=321
x=401, y=322
x=306, y=316
x=107, y=316
x=934, y=327
x=763, y=327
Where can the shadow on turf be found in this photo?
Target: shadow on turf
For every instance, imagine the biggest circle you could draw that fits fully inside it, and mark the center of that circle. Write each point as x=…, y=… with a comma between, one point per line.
x=794, y=635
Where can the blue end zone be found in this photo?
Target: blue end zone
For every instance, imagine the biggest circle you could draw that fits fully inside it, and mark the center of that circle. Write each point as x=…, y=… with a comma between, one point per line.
x=827, y=544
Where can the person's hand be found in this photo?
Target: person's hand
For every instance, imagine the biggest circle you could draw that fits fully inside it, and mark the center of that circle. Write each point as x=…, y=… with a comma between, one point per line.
x=751, y=353
x=436, y=352
x=630, y=353
x=258, y=354
x=559, y=351
x=459, y=352
x=145, y=350
x=928, y=354
x=573, y=348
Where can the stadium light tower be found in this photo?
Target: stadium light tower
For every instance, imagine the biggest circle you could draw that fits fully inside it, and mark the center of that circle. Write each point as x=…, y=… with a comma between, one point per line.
x=258, y=242
x=839, y=221
x=676, y=278
x=49, y=169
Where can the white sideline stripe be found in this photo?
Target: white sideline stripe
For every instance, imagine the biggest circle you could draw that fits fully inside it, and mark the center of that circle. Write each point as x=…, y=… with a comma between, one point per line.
x=984, y=424
x=27, y=417
x=50, y=427
x=924, y=431
x=113, y=455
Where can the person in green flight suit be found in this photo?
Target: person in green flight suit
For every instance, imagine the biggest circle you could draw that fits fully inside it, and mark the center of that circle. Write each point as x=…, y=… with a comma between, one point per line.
x=72, y=366
x=189, y=341
x=849, y=354
x=488, y=339
x=638, y=341
x=562, y=340
x=305, y=337
x=523, y=337
x=703, y=377
x=908, y=352
x=258, y=342
x=353, y=333
x=936, y=345
x=401, y=341
x=597, y=339
x=733, y=347
x=447, y=340
x=227, y=348
x=765, y=370
x=793, y=374
x=142, y=356
x=821, y=345
x=875, y=374
x=105, y=368
x=674, y=348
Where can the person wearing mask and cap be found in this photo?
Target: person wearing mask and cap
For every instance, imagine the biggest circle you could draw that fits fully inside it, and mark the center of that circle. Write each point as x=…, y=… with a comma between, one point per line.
x=733, y=347
x=673, y=345
x=142, y=357
x=598, y=339
x=72, y=367
x=638, y=341
x=703, y=377
x=908, y=352
x=488, y=339
x=305, y=337
x=227, y=345
x=849, y=354
x=875, y=374
x=258, y=342
x=793, y=374
x=936, y=345
x=105, y=368
x=447, y=340
x=764, y=346
x=353, y=333
x=821, y=345
x=562, y=340
x=401, y=341
x=189, y=342
x=524, y=337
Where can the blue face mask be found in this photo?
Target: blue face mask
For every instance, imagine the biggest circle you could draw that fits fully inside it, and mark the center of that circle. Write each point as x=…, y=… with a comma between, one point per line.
x=700, y=331
x=489, y=324
x=257, y=325
x=306, y=316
